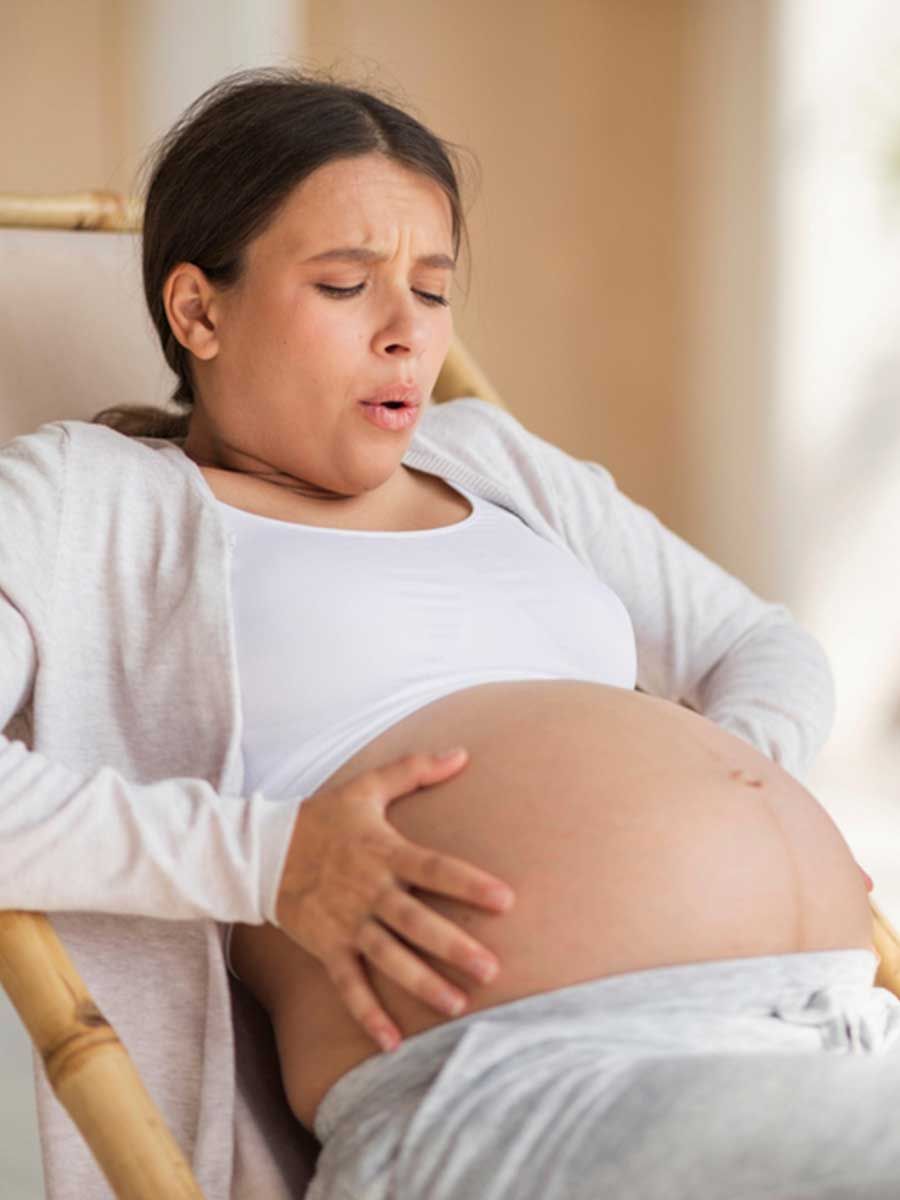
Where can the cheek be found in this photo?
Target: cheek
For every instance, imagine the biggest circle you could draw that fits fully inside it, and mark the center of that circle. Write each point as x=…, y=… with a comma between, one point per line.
x=442, y=339
x=319, y=334
x=263, y=338
x=317, y=352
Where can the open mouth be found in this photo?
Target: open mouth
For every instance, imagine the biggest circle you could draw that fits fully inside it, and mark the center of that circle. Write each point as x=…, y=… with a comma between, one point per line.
x=391, y=414
x=393, y=405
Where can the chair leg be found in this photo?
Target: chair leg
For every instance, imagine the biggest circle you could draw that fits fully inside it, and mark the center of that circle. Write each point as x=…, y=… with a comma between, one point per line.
x=88, y=1067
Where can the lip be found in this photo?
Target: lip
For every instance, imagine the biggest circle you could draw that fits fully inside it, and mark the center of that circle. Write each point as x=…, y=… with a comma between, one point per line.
x=408, y=393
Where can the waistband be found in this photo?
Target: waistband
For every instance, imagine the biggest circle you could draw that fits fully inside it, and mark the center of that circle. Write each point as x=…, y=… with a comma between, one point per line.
x=749, y=986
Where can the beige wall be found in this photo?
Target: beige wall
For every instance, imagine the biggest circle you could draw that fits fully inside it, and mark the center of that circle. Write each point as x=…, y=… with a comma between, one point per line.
x=59, y=117
x=87, y=85
x=730, y=499
x=573, y=111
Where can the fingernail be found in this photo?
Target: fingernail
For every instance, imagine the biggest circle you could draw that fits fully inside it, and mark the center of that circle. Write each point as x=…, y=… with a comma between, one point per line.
x=484, y=969
x=387, y=1039
x=501, y=898
x=451, y=753
x=452, y=1004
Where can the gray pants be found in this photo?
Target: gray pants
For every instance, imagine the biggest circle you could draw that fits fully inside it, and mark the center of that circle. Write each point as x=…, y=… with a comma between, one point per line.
x=773, y=1078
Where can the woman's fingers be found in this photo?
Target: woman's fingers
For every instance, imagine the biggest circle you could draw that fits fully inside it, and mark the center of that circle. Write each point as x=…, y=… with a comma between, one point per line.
x=432, y=932
x=383, y=950
x=449, y=876
x=349, y=978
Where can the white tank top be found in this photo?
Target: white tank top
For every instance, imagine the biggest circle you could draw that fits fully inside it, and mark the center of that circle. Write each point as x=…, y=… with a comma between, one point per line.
x=341, y=633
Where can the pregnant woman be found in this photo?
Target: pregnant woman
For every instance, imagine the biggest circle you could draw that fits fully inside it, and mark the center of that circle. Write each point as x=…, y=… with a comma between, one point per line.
x=609, y=947
x=414, y=610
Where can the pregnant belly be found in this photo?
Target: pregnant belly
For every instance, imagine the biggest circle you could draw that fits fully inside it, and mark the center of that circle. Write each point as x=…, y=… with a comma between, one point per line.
x=634, y=832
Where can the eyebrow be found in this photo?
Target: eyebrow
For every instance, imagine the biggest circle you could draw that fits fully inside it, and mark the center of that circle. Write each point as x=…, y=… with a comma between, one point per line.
x=363, y=254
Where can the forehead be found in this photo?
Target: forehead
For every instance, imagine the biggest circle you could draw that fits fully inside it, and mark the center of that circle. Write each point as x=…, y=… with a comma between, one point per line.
x=367, y=200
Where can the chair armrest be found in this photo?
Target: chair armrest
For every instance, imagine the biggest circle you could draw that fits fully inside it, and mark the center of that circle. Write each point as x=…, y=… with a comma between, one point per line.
x=887, y=946
x=88, y=1067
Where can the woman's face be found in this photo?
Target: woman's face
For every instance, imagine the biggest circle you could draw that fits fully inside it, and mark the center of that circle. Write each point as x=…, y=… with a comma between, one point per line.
x=345, y=293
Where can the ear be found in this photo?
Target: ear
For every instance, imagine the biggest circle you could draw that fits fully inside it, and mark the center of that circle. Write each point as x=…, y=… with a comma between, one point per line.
x=191, y=306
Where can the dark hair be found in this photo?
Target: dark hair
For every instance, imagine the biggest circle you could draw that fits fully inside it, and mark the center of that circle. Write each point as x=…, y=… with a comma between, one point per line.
x=222, y=172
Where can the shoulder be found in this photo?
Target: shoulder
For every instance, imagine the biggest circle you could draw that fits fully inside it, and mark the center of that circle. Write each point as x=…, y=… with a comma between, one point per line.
x=85, y=468
x=33, y=471
x=48, y=443
x=468, y=412
x=96, y=452
x=99, y=442
x=475, y=431
x=67, y=439
x=486, y=437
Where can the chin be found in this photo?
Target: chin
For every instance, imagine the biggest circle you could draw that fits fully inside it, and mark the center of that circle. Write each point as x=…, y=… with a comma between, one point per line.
x=371, y=473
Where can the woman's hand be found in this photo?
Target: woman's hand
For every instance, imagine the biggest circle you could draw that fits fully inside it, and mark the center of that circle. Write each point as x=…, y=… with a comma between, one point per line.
x=344, y=893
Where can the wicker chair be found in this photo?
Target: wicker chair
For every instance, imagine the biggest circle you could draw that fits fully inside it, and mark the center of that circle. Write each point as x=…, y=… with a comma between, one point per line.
x=88, y=1067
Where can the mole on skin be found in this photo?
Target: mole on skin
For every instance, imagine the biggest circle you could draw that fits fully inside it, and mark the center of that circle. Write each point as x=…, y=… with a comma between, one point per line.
x=739, y=777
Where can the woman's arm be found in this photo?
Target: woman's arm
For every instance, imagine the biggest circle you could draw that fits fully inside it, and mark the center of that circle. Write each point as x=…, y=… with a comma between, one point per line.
x=76, y=841
x=703, y=637
x=174, y=849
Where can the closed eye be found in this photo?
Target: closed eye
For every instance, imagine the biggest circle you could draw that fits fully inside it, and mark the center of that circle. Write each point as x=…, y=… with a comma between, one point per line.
x=339, y=293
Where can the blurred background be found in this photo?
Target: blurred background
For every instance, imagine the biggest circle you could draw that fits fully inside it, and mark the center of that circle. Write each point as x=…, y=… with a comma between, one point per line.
x=685, y=229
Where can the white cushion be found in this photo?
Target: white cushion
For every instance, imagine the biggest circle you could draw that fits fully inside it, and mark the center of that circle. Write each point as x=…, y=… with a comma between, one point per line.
x=75, y=335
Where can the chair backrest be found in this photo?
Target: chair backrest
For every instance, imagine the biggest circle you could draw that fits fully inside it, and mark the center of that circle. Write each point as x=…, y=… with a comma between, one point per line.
x=75, y=334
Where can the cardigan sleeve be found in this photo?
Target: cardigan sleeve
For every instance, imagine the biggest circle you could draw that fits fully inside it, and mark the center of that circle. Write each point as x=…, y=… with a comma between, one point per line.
x=94, y=841
x=175, y=849
x=703, y=637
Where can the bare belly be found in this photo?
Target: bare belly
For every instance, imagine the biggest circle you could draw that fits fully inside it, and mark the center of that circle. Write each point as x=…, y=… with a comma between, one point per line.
x=634, y=832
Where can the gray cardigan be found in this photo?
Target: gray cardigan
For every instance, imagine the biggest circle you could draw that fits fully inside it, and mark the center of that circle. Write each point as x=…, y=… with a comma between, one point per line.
x=121, y=803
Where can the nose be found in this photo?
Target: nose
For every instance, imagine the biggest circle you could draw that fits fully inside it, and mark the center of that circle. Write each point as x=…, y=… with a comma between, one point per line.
x=404, y=331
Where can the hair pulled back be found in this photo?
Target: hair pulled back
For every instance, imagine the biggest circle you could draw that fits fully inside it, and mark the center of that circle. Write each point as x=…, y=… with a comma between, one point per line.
x=222, y=172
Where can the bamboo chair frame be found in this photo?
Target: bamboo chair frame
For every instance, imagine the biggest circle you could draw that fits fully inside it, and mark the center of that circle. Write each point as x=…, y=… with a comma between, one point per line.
x=87, y=1066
